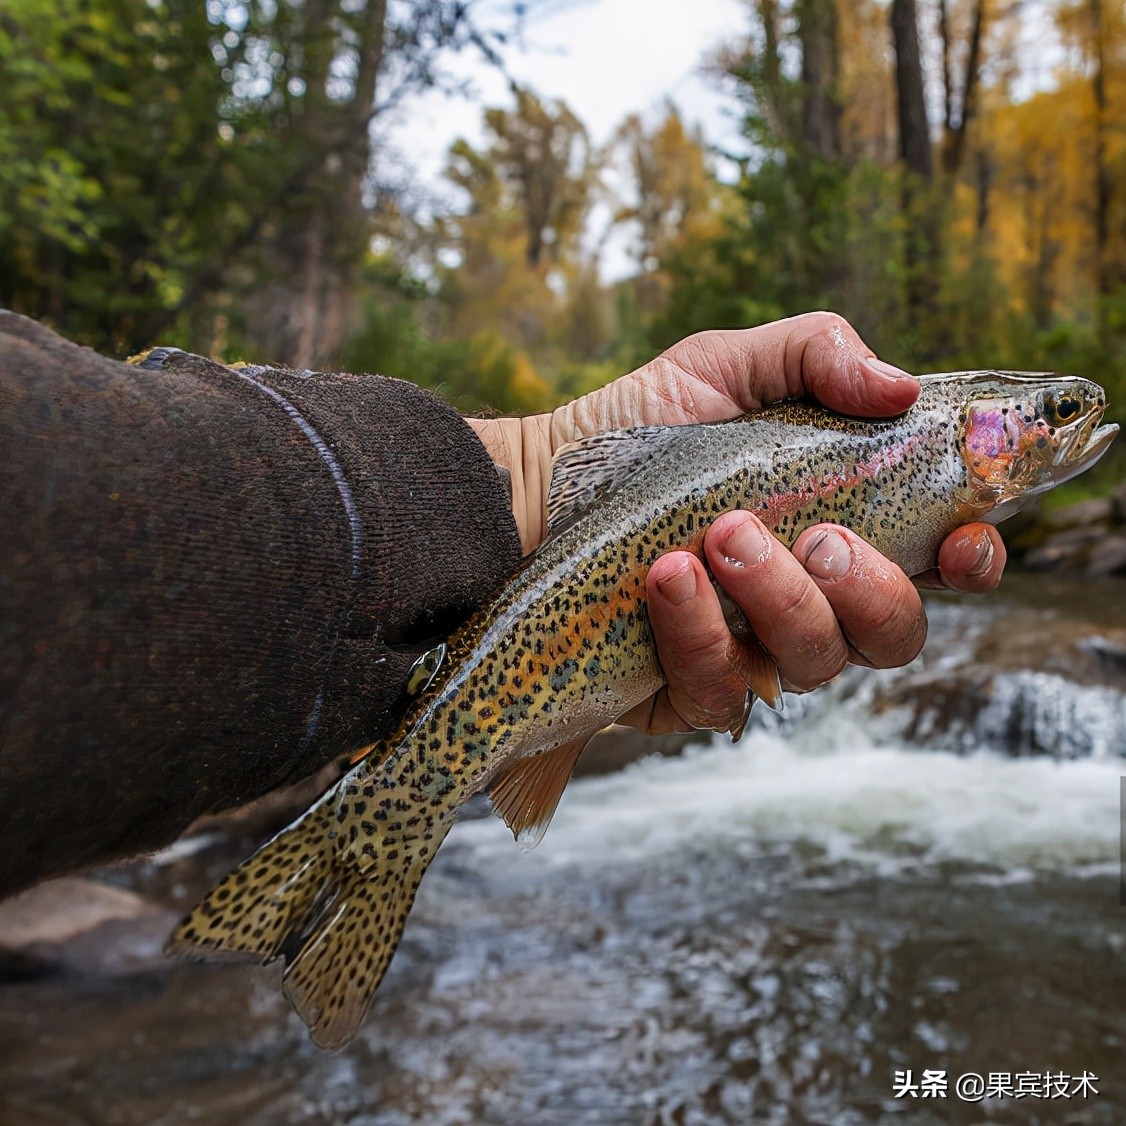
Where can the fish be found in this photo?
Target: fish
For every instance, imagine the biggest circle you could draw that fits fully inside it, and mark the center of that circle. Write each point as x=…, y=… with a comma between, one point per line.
x=508, y=702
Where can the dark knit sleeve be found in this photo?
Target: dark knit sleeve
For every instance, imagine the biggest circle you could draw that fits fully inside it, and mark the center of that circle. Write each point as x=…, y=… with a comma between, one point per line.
x=214, y=580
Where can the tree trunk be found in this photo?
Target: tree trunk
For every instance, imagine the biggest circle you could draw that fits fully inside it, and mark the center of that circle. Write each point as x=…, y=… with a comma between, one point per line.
x=1103, y=278
x=301, y=316
x=947, y=67
x=954, y=131
x=775, y=106
x=821, y=111
x=922, y=244
x=1042, y=299
x=985, y=171
x=914, y=130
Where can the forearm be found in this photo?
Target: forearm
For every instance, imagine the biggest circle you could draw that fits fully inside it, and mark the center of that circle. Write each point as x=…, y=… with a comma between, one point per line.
x=213, y=581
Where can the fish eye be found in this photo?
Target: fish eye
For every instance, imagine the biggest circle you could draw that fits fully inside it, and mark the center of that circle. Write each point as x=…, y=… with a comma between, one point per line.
x=1058, y=411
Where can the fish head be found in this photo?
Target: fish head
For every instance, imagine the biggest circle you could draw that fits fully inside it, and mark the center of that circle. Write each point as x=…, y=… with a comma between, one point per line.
x=1023, y=433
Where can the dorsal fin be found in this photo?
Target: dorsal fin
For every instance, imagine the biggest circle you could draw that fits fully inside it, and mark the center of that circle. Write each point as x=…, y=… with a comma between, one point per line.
x=587, y=470
x=527, y=793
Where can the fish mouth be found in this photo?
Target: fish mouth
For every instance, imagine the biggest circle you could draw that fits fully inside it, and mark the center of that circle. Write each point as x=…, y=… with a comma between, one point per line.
x=1076, y=455
x=1080, y=452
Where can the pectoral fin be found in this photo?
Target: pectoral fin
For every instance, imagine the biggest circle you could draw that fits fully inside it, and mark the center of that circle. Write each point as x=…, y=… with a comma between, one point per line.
x=527, y=793
x=737, y=729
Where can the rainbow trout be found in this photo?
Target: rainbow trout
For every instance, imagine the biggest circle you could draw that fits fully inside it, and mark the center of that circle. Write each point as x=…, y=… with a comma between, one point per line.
x=566, y=647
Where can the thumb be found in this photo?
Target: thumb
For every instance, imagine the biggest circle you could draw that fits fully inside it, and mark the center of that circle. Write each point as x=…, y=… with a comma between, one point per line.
x=840, y=371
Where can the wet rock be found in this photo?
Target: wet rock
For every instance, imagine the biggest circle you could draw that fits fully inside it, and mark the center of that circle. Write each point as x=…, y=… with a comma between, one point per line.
x=83, y=926
x=56, y=912
x=1107, y=557
x=618, y=747
x=1021, y=676
x=1118, y=495
x=1110, y=650
x=272, y=811
x=18, y=965
x=1081, y=513
x=1028, y=639
x=177, y=876
x=1069, y=548
x=1083, y=538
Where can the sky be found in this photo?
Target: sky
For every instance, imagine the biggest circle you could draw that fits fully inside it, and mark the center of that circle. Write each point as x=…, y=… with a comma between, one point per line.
x=605, y=59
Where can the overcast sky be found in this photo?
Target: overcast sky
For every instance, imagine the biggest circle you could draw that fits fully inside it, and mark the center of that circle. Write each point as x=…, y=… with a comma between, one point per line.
x=610, y=58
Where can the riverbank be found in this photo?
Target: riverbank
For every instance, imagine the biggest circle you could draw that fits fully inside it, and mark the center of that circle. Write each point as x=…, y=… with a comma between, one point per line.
x=914, y=869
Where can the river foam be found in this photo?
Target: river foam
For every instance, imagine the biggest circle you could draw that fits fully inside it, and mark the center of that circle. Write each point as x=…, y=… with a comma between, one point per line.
x=884, y=806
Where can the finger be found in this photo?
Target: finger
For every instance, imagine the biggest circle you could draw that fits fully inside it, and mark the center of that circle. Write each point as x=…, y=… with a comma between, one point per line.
x=789, y=615
x=972, y=559
x=697, y=652
x=878, y=608
x=818, y=354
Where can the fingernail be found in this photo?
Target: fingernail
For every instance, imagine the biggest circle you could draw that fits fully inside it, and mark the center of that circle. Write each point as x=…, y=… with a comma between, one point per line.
x=984, y=559
x=829, y=557
x=680, y=585
x=886, y=370
x=745, y=543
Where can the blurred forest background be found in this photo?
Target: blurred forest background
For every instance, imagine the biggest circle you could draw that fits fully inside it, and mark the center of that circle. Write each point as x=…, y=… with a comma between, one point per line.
x=209, y=173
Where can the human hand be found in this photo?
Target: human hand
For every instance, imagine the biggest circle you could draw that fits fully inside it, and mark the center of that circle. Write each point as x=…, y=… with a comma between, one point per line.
x=832, y=600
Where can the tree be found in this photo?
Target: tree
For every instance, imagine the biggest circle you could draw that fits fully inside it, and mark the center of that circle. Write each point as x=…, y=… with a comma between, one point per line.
x=794, y=187
x=959, y=105
x=1096, y=30
x=329, y=55
x=482, y=260
x=321, y=72
x=542, y=152
x=911, y=98
x=922, y=251
x=168, y=161
x=820, y=68
x=119, y=171
x=516, y=240
x=676, y=199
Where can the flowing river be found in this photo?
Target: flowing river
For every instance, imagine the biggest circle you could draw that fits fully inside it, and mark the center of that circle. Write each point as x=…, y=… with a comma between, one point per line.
x=916, y=870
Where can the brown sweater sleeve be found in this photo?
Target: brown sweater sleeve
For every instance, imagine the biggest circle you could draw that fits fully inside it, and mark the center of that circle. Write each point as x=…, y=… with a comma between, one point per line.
x=213, y=581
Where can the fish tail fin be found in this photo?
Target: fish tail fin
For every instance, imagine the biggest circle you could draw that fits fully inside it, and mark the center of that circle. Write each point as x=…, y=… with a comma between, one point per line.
x=267, y=898
x=342, y=960
x=341, y=908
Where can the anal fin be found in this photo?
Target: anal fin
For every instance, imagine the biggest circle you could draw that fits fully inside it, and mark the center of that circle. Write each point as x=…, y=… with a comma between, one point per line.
x=528, y=792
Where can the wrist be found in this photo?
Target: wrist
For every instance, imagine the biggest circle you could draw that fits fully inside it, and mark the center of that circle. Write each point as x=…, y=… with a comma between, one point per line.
x=523, y=446
x=526, y=447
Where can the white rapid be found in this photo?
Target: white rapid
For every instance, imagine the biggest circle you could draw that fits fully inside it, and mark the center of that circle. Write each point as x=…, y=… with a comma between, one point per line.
x=829, y=784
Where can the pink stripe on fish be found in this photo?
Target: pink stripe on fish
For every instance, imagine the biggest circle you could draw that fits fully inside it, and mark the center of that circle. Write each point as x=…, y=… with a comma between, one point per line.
x=784, y=504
